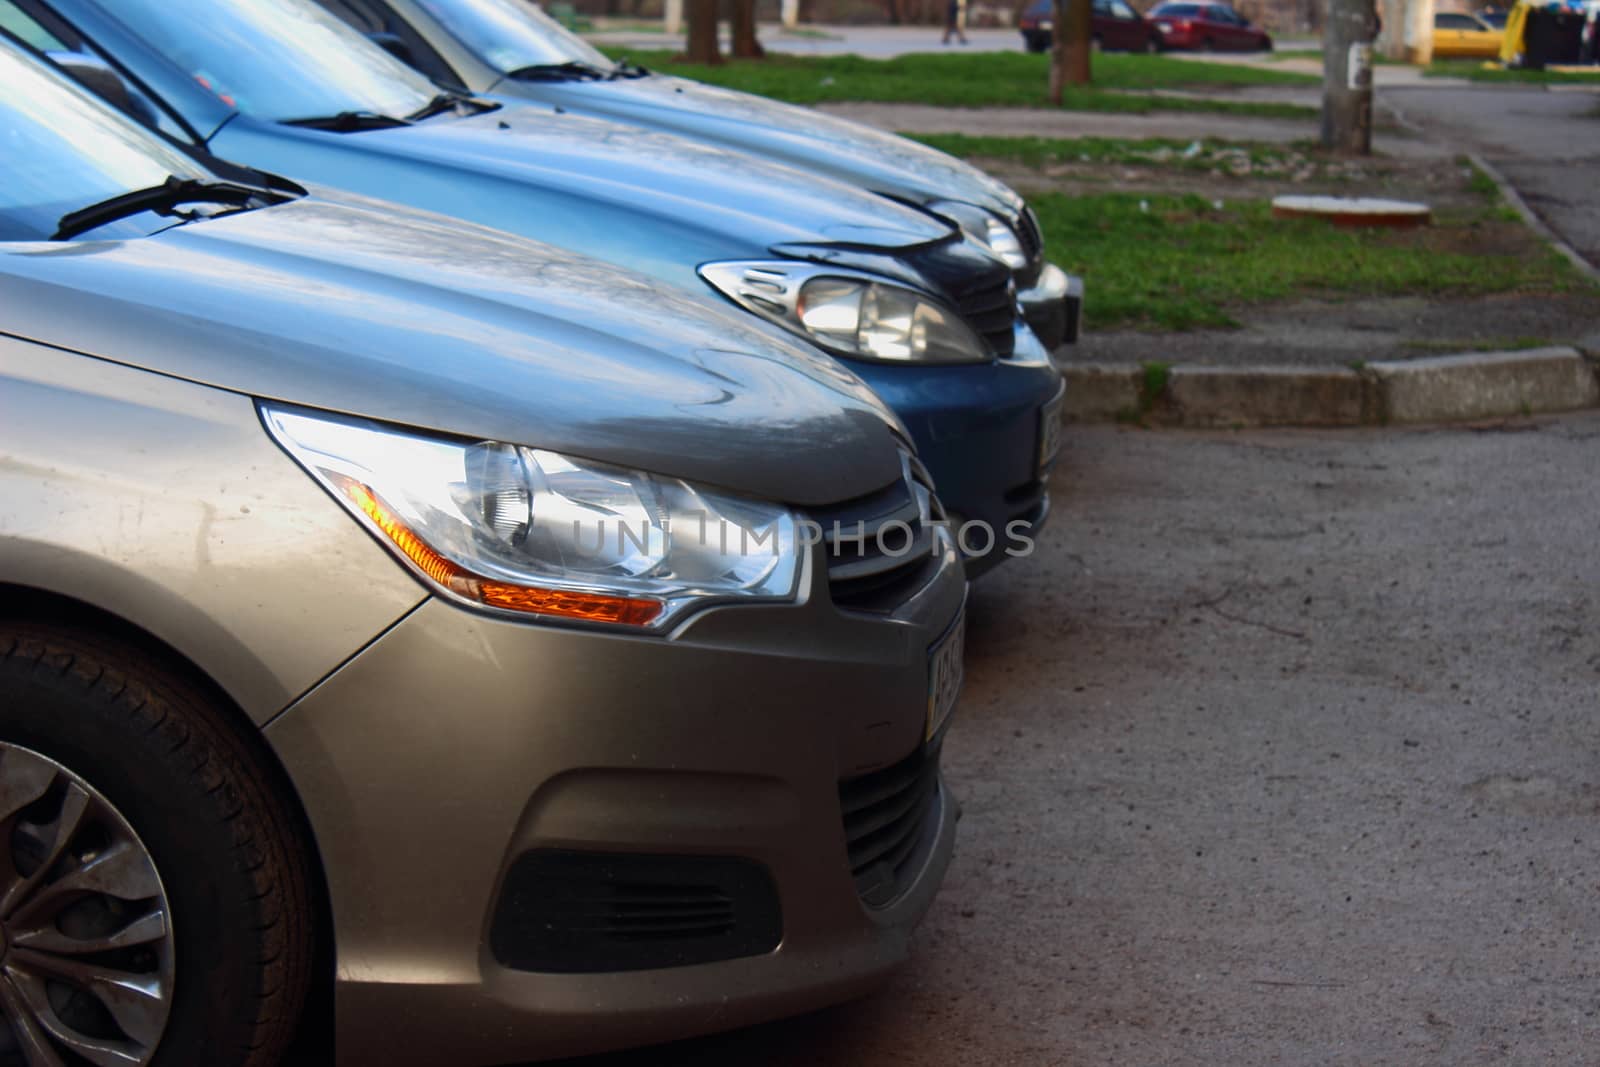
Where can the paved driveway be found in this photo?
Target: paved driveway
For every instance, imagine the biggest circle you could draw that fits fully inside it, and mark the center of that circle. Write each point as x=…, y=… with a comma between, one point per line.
x=1283, y=750
x=1546, y=143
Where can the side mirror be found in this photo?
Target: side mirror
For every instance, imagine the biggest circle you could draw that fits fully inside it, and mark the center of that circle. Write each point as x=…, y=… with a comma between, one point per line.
x=395, y=45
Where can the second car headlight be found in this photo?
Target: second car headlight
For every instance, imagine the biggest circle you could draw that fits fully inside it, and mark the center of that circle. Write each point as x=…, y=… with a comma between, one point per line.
x=986, y=228
x=531, y=532
x=849, y=313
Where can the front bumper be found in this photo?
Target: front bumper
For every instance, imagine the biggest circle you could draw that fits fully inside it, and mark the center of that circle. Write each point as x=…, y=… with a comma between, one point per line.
x=1053, y=306
x=978, y=431
x=457, y=743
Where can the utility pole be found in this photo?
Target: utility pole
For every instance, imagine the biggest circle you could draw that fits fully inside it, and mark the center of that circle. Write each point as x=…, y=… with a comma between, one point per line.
x=1069, y=58
x=1347, y=77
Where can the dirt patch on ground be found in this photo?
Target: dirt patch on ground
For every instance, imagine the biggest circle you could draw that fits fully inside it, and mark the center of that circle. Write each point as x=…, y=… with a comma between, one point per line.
x=1040, y=122
x=1346, y=332
x=1217, y=173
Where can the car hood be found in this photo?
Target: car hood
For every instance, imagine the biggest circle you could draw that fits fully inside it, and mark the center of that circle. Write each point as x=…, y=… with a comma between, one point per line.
x=358, y=307
x=798, y=136
x=575, y=181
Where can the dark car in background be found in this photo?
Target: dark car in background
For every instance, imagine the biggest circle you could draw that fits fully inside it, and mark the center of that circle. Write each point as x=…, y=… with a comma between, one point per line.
x=1116, y=26
x=1207, y=28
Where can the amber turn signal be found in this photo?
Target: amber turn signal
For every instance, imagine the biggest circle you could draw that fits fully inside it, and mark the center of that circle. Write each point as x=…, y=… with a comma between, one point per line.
x=533, y=600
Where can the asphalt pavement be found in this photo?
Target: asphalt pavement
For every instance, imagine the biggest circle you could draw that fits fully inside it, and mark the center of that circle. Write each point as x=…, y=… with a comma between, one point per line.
x=1547, y=143
x=1282, y=749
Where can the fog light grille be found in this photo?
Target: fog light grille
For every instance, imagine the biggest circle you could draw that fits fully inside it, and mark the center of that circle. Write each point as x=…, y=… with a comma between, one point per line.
x=583, y=912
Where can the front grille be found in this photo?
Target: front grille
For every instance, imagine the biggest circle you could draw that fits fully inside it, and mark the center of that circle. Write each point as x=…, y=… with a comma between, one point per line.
x=887, y=825
x=980, y=286
x=993, y=312
x=571, y=912
x=1031, y=236
x=882, y=547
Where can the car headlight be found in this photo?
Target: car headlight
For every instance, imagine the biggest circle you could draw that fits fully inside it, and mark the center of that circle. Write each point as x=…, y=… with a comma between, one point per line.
x=531, y=532
x=986, y=228
x=850, y=313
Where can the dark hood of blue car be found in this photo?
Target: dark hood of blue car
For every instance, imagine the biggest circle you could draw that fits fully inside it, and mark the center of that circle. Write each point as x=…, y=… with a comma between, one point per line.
x=358, y=307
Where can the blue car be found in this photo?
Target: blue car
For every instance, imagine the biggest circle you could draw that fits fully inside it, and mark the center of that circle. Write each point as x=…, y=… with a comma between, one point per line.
x=511, y=48
x=927, y=317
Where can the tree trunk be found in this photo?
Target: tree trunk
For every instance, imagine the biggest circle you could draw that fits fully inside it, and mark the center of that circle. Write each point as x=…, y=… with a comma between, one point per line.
x=1069, y=53
x=703, y=46
x=745, y=45
x=1347, y=77
x=1419, y=32
x=1391, y=42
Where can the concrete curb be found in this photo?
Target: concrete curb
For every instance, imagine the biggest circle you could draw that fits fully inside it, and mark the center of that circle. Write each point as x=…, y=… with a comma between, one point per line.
x=1534, y=221
x=1462, y=388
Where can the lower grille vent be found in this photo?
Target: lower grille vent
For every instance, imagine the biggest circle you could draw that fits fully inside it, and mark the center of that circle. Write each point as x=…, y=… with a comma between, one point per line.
x=578, y=912
x=887, y=827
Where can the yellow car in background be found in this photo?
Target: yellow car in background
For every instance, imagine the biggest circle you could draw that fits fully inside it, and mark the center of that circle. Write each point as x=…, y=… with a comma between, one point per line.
x=1460, y=36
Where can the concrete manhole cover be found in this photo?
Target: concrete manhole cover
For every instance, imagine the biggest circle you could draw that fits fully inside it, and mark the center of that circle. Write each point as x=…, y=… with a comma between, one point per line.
x=1352, y=211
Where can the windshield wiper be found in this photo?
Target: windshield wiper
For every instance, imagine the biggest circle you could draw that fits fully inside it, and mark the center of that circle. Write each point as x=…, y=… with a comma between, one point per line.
x=572, y=70
x=627, y=68
x=455, y=102
x=349, y=122
x=163, y=200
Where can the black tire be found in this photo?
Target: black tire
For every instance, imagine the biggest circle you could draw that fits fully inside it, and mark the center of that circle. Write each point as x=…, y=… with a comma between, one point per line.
x=1035, y=42
x=1096, y=44
x=1208, y=45
x=198, y=794
x=1152, y=46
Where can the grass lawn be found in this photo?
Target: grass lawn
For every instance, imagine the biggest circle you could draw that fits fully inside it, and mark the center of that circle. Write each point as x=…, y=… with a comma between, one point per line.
x=1175, y=262
x=1474, y=70
x=1002, y=79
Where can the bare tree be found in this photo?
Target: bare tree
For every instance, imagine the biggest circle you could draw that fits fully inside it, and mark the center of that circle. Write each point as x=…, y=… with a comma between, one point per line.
x=1069, y=57
x=745, y=45
x=703, y=46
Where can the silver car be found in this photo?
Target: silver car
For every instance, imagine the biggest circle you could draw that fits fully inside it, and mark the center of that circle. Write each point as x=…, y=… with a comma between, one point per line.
x=537, y=657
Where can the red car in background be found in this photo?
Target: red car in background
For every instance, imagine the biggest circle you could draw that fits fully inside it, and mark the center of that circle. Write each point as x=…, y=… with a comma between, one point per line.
x=1205, y=27
x=1116, y=27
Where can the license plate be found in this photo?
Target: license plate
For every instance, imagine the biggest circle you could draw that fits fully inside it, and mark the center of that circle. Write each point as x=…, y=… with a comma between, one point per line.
x=1050, y=431
x=947, y=669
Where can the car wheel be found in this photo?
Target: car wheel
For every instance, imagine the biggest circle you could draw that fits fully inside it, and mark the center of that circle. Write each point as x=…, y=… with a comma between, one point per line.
x=154, y=898
x=1037, y=42
x=1096, y=44
x=1208, y=45
x=1152, y=46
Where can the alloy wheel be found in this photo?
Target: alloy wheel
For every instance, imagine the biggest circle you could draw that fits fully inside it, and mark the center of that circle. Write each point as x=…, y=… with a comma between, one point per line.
x=86, y=950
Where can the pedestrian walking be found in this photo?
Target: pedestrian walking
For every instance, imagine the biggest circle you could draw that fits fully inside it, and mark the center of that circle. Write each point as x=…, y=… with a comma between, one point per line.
x=955, y=17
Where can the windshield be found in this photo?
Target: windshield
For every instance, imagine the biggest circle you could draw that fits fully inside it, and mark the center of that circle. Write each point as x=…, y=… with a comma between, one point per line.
x=277, y=59
x=512, y=34
x=61, y=149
